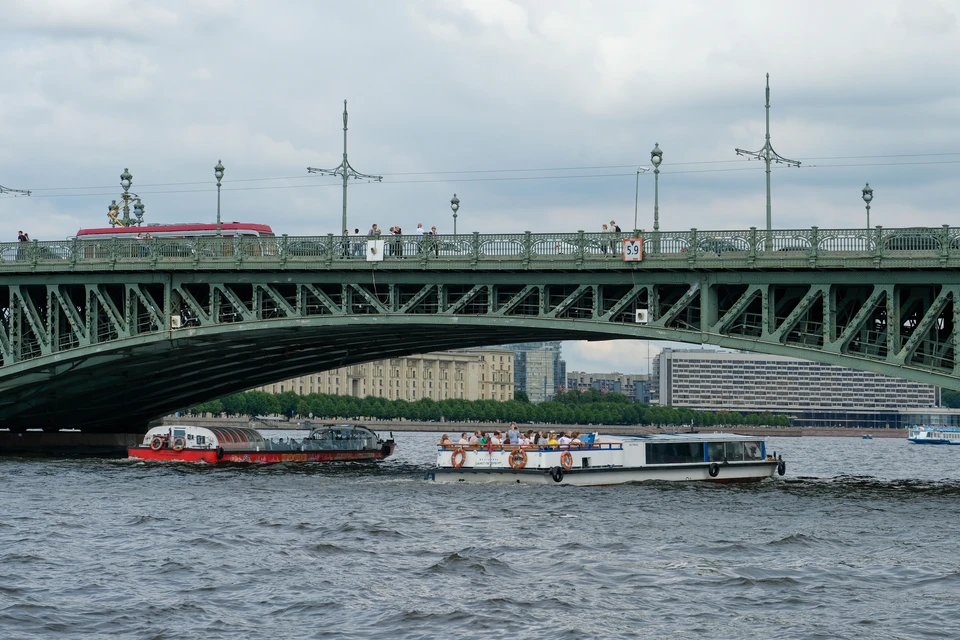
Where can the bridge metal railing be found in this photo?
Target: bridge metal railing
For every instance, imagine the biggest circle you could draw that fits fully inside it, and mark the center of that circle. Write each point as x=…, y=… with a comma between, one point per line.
x=733, y=248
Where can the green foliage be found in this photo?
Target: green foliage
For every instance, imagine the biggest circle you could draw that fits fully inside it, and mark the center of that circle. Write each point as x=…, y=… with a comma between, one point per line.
x=590, y=407
x=950, y=398
x=521, y=396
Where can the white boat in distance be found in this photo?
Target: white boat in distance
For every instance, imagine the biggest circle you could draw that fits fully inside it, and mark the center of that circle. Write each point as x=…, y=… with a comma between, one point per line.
x=676, y=457
x=929, y=434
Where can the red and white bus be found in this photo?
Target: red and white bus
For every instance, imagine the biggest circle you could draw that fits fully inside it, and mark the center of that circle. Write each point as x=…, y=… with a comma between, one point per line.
x=179, y=230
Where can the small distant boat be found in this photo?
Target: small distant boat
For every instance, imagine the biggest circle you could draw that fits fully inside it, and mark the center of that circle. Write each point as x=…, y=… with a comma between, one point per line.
x=607, y=460
x=868, y=437
x=925, y=434
x=328, y=443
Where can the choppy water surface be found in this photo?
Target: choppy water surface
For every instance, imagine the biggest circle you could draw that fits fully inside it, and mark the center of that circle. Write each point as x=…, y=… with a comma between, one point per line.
x=858, y=540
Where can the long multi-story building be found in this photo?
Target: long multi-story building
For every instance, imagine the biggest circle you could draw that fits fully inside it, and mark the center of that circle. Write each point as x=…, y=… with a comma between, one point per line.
x=811, y=393
x=468, y=375
x=634, y=386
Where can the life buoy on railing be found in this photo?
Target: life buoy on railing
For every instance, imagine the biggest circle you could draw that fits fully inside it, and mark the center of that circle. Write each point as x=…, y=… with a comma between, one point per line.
x=557, y=474
x=781, y=467
x=458, y=458
x=713, y=470
x=157, y=443
x=566, y=460
x=179, y=443
x=518, y=459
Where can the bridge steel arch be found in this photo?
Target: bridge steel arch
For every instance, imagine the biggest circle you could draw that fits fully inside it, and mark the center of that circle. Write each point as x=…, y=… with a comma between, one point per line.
x=108, y=349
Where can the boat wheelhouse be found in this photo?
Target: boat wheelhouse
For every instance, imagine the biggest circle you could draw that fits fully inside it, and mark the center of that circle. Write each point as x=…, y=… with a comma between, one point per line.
x=328, y=443
x=716, y=457
x=932, y=434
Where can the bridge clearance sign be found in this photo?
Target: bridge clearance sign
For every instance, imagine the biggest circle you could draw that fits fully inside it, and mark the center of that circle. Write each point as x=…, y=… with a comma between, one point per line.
x=632, y=249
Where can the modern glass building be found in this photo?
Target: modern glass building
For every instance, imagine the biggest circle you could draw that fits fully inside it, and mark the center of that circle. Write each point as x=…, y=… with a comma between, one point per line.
x=538, y=369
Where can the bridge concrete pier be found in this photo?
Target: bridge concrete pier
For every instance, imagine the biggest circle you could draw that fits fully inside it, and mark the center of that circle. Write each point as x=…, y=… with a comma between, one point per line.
x=70, y=443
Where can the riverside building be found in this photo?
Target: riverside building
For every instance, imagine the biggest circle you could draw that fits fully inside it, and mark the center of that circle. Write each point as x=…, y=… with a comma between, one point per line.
x=811, y=393
x=635, y=387
x=444, y=375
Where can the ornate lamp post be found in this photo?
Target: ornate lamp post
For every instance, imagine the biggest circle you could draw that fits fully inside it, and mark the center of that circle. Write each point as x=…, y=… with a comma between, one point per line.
x=218, y=173
x=126, y=181
x=656, y=157
x=455, y=205
x=867, y=197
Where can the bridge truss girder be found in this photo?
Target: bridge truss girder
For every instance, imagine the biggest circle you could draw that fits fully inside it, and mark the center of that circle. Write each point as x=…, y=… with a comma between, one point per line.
x=109, y=350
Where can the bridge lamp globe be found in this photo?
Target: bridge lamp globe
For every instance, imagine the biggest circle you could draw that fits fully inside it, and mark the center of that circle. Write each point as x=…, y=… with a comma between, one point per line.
x=455, y=205
x=126, y=180
x=867, y=198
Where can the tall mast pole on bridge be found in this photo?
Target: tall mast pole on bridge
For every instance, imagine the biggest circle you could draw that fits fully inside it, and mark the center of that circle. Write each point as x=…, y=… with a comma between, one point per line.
x=16, y=192
x=767, y=154
x=344, y=169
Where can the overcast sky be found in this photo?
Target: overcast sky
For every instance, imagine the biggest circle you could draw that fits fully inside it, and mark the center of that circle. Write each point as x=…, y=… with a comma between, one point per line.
x=860, y=92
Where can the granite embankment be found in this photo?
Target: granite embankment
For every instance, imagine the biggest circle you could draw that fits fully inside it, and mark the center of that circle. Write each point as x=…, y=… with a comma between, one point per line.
x=457, y=427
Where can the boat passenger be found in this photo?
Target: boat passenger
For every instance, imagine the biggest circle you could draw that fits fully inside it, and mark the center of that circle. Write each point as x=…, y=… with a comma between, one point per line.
x=464, y=439
x=445, y=441
x=525, y=440
x=552, y=439
x=495, y=438
x=575, y=440
x=514, y=434
x=475, y=438
x=564, y=439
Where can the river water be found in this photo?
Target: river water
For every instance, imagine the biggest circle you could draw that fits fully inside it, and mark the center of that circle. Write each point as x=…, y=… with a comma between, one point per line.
x=858, y=540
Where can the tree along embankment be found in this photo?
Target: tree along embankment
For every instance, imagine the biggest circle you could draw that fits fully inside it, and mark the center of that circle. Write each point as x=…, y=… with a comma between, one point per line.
x=580, y=409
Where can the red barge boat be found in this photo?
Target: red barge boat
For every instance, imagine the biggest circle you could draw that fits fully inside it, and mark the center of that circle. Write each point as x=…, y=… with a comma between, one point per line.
x=328, y=443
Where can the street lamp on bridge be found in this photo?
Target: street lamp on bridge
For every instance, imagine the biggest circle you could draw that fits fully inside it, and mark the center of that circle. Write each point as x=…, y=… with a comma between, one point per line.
x=656, y=157
x=455, y=205
x=113, y=211
x=867, y=197
x=218, y=174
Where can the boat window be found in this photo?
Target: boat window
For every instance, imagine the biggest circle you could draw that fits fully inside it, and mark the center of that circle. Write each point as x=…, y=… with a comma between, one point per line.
x=674, y=452
x=715, y=451
x=752, y=451
x=734, y=451
x=179, y=432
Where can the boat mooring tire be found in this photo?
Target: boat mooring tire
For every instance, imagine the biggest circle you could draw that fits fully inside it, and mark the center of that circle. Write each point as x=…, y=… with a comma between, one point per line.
x=714, y=470
x=557, y=474
x=566, y=460
x=781, y=468
x=157, y=443
x=458, y=458
x=219, y=453
x=518, y=459
x=179, y=443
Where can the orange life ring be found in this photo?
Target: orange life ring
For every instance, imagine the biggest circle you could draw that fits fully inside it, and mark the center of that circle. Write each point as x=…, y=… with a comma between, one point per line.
x=518, y=459
x=157, y=443
x=179, y=443
x=458, y=458
x=566, y=460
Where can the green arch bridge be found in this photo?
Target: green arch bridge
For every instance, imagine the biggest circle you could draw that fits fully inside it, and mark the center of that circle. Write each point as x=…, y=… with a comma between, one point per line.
x=103, y=336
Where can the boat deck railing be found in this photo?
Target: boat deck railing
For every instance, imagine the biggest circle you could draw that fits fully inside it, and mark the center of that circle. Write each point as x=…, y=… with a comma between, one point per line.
x=533, y=447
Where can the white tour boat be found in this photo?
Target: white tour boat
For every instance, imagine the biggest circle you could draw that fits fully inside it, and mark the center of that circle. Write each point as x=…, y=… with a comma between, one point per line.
x=714, y=457
x=932, y=434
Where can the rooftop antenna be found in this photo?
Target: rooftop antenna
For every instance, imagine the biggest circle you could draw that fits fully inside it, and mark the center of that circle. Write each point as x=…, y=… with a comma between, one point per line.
x=767, y=154
x=344, y=169
x=15, y=192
